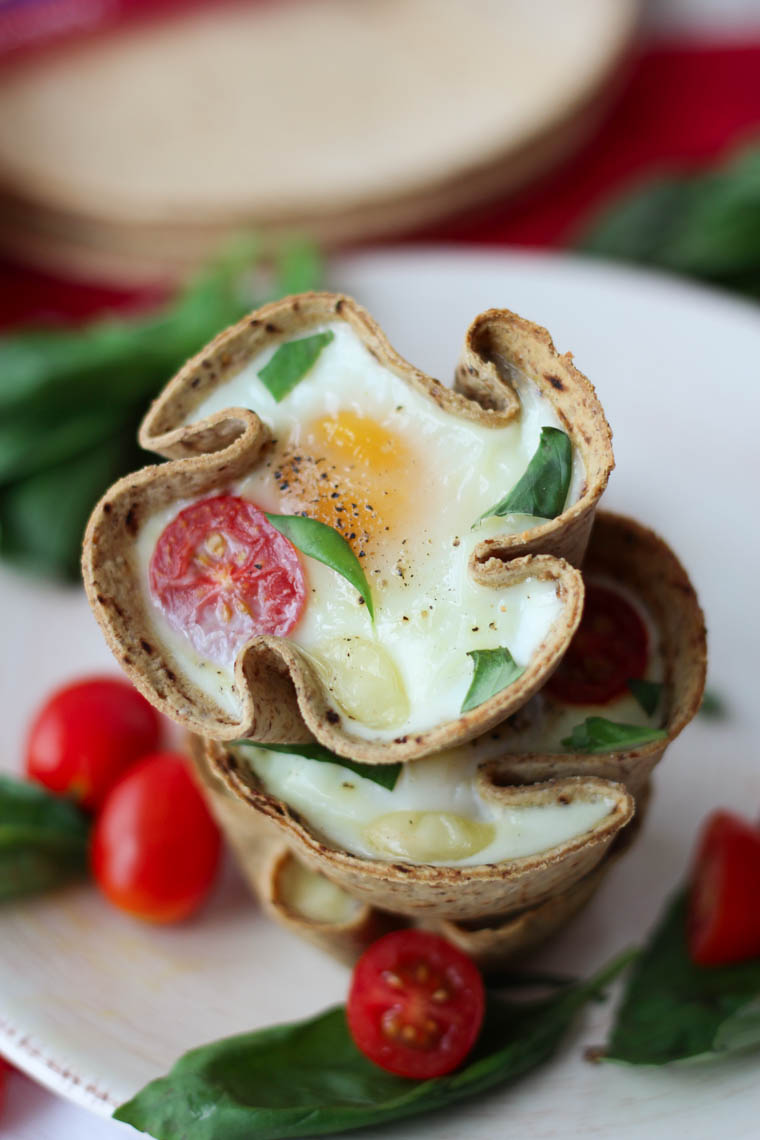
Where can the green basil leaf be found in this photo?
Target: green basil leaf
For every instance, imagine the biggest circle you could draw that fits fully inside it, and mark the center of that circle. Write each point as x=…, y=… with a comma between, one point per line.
x=299, y=268
x=637, y=223
x=71, y=400
x=41, y=527
x=386, y=775
x=327, y=545
x=291, y=362
x=494, y=670
x=673, y=1009
x=596, y=734
x=647, y=693
x=740, y=1031
x=309, y=1079
x=43, y=839
x=125, y=360
x=713, y=706
x=706, y=224
x=542, y=490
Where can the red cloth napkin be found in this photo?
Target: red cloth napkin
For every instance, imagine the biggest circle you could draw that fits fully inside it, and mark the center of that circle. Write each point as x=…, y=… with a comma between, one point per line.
x=682, y=105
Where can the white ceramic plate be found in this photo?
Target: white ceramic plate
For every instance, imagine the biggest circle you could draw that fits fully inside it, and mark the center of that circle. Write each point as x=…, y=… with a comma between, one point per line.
x=93, y=1004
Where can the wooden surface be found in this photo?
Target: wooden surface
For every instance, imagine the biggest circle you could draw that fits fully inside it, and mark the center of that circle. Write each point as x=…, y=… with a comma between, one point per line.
x=136, y=152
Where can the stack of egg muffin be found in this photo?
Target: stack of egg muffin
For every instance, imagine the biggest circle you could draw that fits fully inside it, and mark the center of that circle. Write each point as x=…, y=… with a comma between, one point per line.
x=412, y=721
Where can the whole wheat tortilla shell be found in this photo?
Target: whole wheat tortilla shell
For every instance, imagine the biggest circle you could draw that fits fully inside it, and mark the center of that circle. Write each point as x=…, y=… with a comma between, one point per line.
x=345, y=939
x=637, y=558
x=282, y=699
x=420, y=890
x=263, y=858
x=491, y=941
x=494, y=942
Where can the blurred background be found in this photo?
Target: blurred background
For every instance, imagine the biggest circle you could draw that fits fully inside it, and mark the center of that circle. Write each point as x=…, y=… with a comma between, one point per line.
x=166, y=164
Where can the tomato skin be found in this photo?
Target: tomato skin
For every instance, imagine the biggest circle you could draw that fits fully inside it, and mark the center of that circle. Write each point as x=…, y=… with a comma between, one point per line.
x=87, y=734
x=155, y=846
x=222, y=574
x=609, y=649
x=416, y=1004
x=5, y=1069
x=724, y=907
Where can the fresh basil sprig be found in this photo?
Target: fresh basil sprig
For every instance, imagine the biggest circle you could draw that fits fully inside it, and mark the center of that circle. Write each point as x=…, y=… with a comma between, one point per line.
x=494, y=669
x=308, y=1078
x=647, y=693
x=673, y=1010
x=298, y=268
x=542, y=489
x=597, y=734
x=704, y=224
x=291, y=362
x=71, y=400
x=326, y=544
x=713, y=706
x=43, y=839
x=386, y=775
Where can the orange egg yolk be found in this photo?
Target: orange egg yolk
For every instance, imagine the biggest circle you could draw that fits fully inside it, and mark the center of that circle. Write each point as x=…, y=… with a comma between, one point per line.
x=350, y=472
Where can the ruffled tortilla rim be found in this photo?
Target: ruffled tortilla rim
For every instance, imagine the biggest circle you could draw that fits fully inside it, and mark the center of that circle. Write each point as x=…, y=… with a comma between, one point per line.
x=623, y=550
x=459, y=892
x=282, y=699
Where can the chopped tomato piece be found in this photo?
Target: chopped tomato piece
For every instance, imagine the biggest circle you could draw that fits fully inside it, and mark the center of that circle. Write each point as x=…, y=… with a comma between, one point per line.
x=155, y=847
x=724, y=906
x=416, y=1004
x=609, y=649
x=86, y=736
x=222, y=575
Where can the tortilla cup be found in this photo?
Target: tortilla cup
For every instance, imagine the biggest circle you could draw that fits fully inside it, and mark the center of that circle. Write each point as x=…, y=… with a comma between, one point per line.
x=433, y=891
x=282, y=700
x=498, y=341
x=494, y=942
x=635, y=557
x=271, y=868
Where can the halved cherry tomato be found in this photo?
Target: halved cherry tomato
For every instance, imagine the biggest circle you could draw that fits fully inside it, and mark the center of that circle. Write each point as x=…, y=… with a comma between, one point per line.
x=724, y=905
x=608, y=650
x=222, y=574
x=416, y=1004
x=87, y=735
x=155, y=847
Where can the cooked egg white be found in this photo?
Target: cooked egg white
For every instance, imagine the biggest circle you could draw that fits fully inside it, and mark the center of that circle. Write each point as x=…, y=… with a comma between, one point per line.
x=403, y=481
x=434, y=815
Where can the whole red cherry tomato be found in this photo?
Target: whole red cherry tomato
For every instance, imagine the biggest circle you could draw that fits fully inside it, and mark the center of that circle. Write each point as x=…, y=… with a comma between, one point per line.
x=5, y=1069
x=416, y=1004
x=222, y=574
x=724, y=904
x=87, y=735
x=155, y=847
x=609, y=649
